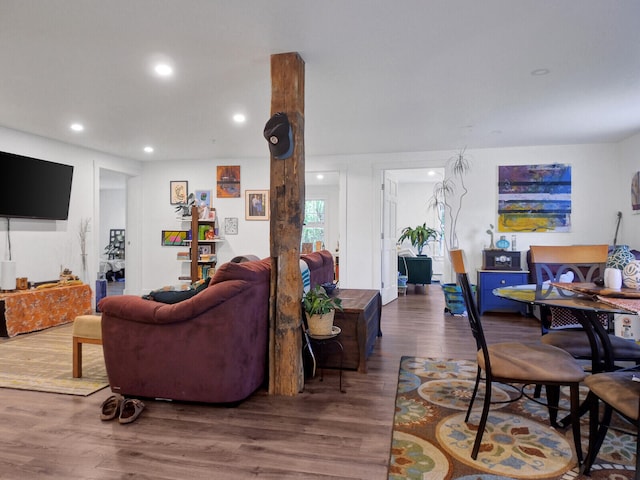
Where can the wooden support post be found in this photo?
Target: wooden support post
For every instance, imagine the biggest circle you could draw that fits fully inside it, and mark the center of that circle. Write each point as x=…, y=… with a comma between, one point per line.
x=286, y=375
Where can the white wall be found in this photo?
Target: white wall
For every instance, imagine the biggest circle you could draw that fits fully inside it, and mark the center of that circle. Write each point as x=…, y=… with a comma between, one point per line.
x=159, y=265
x=112, y=215
x=596, y=199
x=629, y=152
x=41, y=247
x=601, y=183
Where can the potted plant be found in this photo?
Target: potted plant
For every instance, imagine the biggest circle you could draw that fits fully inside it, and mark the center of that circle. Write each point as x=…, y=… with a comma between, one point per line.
x=448, y=195
x=419, y=236
x=320, y=309
x=447, y=199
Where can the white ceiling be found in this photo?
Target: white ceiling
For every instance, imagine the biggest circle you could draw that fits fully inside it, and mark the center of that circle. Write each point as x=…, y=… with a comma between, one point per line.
x=381, y=76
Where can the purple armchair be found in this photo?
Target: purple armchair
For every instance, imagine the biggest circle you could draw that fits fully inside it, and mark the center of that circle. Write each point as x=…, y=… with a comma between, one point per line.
x=210, y=348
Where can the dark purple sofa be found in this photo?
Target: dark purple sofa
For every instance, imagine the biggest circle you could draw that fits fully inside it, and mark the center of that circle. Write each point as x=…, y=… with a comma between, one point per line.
x=321, y=267
x=212, y=347
x=209, y=348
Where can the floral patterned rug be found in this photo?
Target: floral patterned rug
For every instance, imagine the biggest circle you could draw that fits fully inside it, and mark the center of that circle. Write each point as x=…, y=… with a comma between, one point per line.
x=432, y=441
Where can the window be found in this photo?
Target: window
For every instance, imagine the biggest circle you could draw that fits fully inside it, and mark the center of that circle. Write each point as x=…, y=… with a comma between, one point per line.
x=314, y=229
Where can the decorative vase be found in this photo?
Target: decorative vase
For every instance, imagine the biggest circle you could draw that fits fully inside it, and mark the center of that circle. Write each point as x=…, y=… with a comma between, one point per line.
x=620, y=257
x=503, y=243
x=612, y=278
x=320, y=324
x=631, y=274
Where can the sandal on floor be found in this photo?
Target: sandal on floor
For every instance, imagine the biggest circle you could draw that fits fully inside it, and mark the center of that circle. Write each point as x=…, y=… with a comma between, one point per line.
x=131, y=409
x=110, y=408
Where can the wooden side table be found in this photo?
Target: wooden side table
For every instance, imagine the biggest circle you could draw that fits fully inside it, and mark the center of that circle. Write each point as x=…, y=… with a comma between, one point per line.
x=320, y=344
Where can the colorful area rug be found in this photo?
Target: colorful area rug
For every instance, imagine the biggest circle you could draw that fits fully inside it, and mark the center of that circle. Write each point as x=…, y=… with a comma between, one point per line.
x=432, y=441
x=42, y=361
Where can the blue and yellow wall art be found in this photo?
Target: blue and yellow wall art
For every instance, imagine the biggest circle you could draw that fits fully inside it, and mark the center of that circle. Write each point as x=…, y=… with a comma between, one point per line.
x=534, y=198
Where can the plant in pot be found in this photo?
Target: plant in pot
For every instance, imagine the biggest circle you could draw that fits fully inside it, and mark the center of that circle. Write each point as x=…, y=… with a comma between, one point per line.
x=320, y=309
x=448, y=196
x=447, y=199
x=419, y=236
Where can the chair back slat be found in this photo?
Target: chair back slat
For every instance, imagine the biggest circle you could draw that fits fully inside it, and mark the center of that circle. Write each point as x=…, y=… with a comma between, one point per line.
x=569, y=254
x=587, y=262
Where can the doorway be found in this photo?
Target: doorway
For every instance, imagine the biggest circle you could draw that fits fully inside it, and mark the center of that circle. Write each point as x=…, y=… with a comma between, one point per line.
x=412, y=194
x=112, y=232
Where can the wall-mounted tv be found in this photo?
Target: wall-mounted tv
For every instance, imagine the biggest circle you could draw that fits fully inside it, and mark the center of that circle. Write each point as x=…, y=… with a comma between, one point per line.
x=32, y=188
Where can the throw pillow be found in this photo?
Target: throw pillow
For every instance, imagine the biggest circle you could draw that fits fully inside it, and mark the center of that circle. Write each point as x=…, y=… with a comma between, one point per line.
x=306, y=277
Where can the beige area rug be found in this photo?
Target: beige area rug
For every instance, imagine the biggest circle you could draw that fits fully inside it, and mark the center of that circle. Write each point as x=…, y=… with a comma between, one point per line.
x=42, y=361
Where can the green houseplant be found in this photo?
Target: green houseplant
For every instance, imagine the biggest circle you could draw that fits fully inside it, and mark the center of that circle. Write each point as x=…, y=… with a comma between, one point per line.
x=419, y=236
x=320, y=309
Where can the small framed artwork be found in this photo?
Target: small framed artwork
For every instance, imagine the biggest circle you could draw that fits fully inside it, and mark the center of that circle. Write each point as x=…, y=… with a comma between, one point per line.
x=178, y=191
x=175, y=238
x=256, y=204
x=203, y=198
x=231, y=226
x=204, y=204
x=204, y=249
x=228, y=181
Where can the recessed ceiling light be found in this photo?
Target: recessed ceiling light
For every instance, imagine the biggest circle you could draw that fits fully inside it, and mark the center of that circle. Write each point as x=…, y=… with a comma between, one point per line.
x=540, y=71
x=319, y=176
x=148, y=149
x=431, y=173
x=77, y=127
x=239, y=118
x=163, y=69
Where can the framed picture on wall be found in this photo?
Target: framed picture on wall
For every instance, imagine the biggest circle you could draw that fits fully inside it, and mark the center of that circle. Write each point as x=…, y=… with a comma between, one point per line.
x=174, y=238
x=228, y=181
x=178, y=191
x=256, y=204
x=231, y=226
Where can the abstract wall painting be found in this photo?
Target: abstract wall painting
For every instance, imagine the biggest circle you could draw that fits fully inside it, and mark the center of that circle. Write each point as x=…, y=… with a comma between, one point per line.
x=534, y=198
x=228, y=181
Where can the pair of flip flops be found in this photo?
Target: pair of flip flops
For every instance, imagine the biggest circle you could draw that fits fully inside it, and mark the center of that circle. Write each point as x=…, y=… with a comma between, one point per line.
x=127, y=410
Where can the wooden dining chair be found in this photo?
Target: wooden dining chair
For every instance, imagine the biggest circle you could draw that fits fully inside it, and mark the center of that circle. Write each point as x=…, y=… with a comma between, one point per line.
x=617, y=391
x=518, y=363
x=586, y=263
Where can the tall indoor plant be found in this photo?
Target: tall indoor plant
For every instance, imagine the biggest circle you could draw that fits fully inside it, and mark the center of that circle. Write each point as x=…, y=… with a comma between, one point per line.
x=419, y=236
x=447, y=199
x=448, y=196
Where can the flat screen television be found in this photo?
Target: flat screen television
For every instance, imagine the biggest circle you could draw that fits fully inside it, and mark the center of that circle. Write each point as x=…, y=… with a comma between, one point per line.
x=33, y=188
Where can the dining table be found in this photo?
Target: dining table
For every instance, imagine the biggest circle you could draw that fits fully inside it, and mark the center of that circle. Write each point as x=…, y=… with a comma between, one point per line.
x=586, y=300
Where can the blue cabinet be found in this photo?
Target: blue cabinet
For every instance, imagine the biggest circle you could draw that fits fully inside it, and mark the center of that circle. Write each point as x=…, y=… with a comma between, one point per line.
x=488, y=280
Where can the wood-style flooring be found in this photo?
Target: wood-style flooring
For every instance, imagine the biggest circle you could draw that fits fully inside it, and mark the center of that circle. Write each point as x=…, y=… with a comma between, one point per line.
x=319, y=434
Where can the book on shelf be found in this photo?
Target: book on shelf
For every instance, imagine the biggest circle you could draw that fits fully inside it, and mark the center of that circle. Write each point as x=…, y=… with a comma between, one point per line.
x=206, y=271
x=205, y=232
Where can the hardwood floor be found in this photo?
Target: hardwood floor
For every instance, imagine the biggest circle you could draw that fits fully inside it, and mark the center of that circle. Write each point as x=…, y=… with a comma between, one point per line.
x=320, y=433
